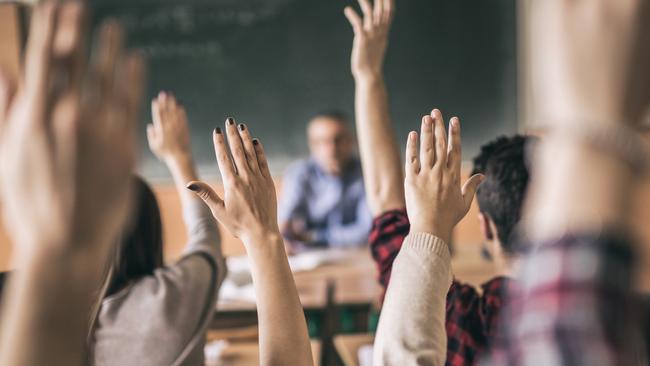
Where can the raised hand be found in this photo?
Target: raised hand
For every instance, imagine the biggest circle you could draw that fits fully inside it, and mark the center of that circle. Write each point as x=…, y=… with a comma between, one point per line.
x=68, y=147
x=168, y=135
x=435, y=201
x=249, y=211
x=249, y=207
x=590, y=60
x=370, y=36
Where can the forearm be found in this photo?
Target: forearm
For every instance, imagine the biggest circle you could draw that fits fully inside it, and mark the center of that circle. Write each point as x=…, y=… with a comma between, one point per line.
x=283, y=337
x=48, y=303
x=411, y=328
x=183, y=170
x=380, y=157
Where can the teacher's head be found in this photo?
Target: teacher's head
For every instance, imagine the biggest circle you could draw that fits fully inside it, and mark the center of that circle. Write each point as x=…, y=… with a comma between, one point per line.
x=330, y=141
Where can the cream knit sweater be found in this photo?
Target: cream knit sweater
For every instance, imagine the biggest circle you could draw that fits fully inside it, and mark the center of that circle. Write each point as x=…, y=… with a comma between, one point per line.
x=411, y=328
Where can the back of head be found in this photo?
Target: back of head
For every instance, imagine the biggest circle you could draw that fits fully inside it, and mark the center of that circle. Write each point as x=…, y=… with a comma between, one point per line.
x=140, y=249
x=501, y=195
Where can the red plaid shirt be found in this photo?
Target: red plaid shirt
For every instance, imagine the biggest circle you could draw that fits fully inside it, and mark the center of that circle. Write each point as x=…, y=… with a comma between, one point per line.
x=471, y=318
x=575, y=307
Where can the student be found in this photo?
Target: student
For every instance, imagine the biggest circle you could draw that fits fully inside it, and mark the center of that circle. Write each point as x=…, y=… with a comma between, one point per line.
x=63, y=214
x=411, y=328
x=470, y=317
x=323, y=201
x=249, y=211
x=578, y=215
x=151, y=314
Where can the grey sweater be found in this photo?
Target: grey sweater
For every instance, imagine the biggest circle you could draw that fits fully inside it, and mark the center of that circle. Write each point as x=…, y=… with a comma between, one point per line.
x=161, y=319
x=411, y=328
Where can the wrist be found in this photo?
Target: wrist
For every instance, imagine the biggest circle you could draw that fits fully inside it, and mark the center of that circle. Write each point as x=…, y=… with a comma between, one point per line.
x=261, y=242
x=182, y=167
x=178, y=159
x=439, y=231
x=367, y=76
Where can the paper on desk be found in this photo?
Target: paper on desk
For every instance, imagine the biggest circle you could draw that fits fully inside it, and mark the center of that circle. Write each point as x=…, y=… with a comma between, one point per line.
x=213, y=352
x=365, y=355
x=238, y=285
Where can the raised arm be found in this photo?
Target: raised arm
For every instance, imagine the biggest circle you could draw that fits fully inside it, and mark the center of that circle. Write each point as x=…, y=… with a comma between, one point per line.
x=380, y=157
x=592, y=85
x=411, y=328
x=249, y=211
x=169, y=140
x=66, y=169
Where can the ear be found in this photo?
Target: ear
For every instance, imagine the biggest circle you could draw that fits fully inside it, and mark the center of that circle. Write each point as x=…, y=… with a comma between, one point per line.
x=485, y=224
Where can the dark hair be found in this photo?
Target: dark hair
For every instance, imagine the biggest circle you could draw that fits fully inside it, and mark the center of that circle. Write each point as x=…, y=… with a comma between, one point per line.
x=140, y=249
x=335, y=114
x=501, y=195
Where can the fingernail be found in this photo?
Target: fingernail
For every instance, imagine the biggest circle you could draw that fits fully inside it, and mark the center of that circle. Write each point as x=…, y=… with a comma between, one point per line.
x=217, y=130
x=192, y=187
x=256, y=142
x=242, y=127
x=230, y=121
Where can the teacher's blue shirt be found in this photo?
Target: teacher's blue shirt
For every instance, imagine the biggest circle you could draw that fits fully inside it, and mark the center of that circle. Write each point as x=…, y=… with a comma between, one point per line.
x=332, y=208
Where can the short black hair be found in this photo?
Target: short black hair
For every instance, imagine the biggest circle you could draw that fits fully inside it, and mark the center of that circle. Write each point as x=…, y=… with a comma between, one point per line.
x=501, y=195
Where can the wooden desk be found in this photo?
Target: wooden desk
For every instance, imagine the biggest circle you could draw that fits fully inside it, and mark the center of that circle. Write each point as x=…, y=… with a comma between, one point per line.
x=312, y=293
x=353, y=281
x=247, y=354
x=347, y=346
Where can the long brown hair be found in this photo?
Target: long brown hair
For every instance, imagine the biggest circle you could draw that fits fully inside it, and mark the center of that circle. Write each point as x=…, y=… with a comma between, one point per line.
x=138, y=252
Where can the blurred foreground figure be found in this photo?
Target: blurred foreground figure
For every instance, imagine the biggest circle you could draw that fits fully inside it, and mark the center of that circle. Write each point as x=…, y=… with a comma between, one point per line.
x=63, y=213
x=575, y=306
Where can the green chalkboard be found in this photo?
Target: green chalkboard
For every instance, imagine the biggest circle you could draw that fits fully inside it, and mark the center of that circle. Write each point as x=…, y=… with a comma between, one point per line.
x=275, y=63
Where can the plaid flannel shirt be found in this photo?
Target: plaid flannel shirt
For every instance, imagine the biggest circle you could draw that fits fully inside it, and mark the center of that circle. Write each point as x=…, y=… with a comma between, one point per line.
x=574, y=307
x=471, y=319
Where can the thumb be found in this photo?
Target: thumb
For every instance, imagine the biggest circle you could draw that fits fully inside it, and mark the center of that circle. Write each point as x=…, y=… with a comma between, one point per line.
x=209, y=196
x=470, y=187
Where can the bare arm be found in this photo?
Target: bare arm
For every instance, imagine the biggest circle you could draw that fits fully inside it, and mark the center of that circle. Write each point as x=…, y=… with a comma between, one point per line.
x=577, y=90
x=578, y=206
x=62, y=213
x=249, y=212
x=380, y=157
x=169, y=139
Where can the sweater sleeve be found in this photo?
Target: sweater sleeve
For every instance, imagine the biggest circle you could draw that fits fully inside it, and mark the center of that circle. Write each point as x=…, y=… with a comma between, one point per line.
x=165, y=315
x=411, y=328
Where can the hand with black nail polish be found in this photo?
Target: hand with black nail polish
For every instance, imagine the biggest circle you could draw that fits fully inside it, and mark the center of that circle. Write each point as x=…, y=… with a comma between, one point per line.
x=248, y=210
